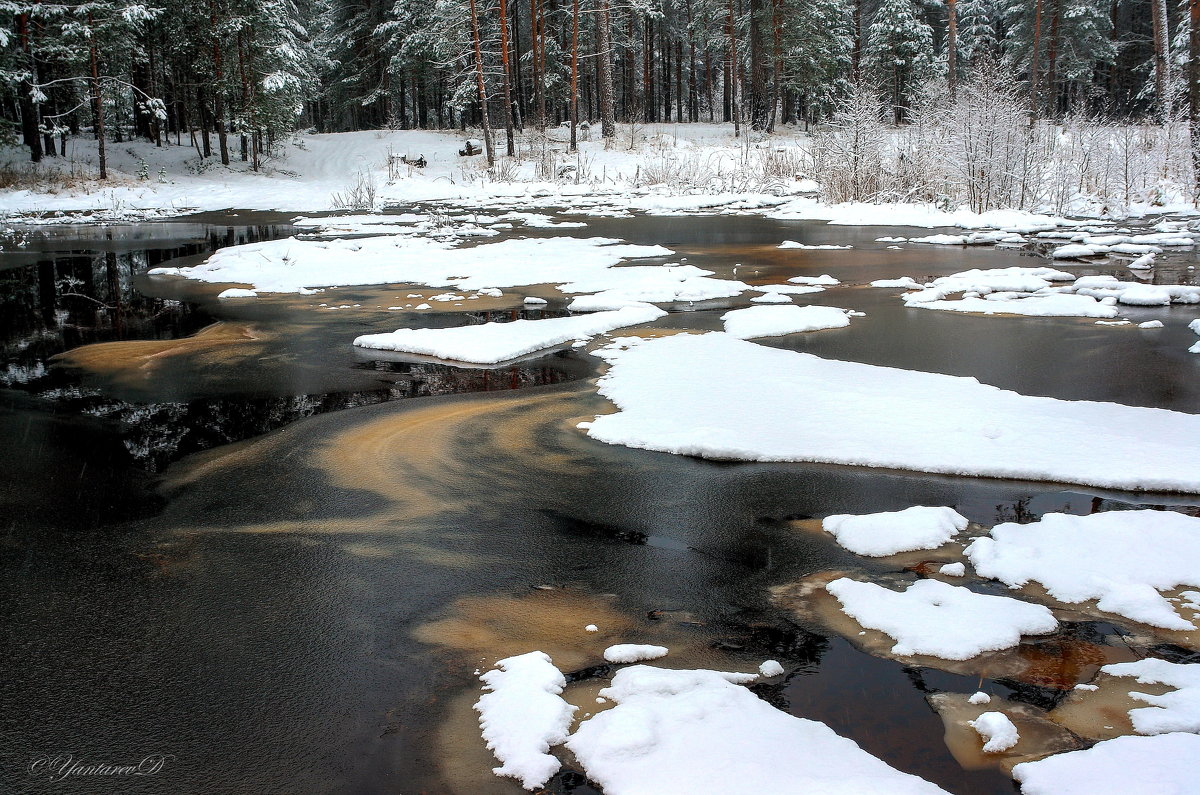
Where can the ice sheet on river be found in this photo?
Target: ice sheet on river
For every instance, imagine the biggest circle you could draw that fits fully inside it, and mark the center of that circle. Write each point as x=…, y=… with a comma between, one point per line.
x=777, y=405
x=490, y=343
x=1121, y=558
x=291, y=265
x=698, y=731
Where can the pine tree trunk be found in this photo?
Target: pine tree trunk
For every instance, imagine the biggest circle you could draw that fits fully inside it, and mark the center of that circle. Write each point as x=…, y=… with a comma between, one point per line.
x=776, y=63
x=608, y=121
x=29, y=110
x=1194, y=92
x=97, y=98
x=218, y=94
x=732, y=71
x=1158, y=15
x=1052, y=59
x=951, y=46
x=1033, y=61
x=510, y=145
x=483, y=104
x=574, y=74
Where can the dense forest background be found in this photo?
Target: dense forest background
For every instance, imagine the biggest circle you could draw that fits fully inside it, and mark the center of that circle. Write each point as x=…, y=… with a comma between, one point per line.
x=228, y=77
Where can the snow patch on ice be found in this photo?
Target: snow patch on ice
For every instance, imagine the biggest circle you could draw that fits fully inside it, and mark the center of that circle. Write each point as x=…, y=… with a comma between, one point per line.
x=941, y=620
x=889, y=532
x=997, y=730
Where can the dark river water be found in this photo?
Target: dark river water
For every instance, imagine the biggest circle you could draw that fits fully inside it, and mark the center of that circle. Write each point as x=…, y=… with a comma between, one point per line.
x=278, y=561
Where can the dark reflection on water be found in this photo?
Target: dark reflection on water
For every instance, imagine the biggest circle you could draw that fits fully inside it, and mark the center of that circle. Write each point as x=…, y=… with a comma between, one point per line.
x=256, y=621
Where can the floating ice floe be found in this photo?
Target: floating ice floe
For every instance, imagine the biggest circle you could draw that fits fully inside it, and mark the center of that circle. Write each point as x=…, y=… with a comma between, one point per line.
x=1195, y=326
x=771, y=298
x=490, y=343
x=953, y=569
x=907, y=282
x=1162, y=764
x=1135, y=293
x=290, y=265
x=774, y=321
x=1177, y=711
x=799, y=407
x=523, y=715
x=1120, y=558
x=941, y=620
x=998, y=732
x=613, y=288
x=1050, y=305
x=826, y=247
x=788, y=289
x=700, y=731
x=823, y=280
x=633, y=652
x=889, y=532
x=237, y=292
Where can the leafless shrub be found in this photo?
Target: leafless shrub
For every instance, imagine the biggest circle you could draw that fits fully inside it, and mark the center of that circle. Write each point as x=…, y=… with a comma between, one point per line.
x=359, y=196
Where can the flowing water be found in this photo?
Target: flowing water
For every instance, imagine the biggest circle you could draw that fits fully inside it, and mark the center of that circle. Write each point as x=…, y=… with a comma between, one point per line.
x=232, y=539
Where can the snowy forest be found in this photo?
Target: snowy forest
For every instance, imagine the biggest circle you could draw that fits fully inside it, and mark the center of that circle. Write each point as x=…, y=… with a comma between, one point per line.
x=230, y=76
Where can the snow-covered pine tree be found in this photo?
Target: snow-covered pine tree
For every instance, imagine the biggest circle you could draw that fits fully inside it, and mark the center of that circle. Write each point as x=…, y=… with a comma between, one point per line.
x=899, y=52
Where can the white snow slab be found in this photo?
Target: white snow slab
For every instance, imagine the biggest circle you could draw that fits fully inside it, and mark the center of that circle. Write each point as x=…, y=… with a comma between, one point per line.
x=615, y=287
x=824, y=247
x=290, y=265
x=941, y=620
x=958, y=569
x=889, y=532
x=1120, y=558
x=788, y=289
x=1163, y=765
x=523, y=716
x=237, y=292
x=770, y=298
x=775, y=321
x=697, y=731
x=1037, y=305
x=489, y=343
x=799, y=407
x=823, y=280
x=997, y=730
x=906, y=282
x=1177, y=711
x=633, y=652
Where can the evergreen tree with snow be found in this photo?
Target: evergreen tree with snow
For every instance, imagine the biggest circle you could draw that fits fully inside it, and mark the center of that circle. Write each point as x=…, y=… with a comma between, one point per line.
x=900, y=52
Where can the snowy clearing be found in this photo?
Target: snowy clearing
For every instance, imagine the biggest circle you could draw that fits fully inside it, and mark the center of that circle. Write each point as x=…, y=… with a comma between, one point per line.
x=799, y=407
x=1120, y=558
x=941, y=620
x=889, y=532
